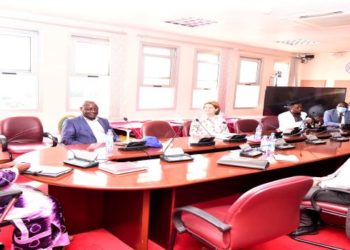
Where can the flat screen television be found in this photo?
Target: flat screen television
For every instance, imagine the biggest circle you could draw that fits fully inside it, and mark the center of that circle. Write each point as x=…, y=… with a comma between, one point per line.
x=315, y=100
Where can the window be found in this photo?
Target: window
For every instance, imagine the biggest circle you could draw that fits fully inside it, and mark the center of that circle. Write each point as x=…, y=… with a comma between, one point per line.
x=18, y=75
x=90, y=73
x=281, y=75
x=157, y=78
x=248, y=88
x=207, y=79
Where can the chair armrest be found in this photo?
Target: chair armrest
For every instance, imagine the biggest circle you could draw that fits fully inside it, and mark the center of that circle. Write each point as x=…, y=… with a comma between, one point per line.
x=53, y=138
x=314, y=196
x=4, y=142
x=223, y=227
x=10, y=193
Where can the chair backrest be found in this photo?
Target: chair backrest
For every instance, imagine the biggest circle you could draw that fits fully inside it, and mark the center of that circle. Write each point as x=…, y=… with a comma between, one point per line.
x=266, y=211
x=246, y=125
x=22, y=129
x=159, y=129
x=269, y=123
x=186, y=128
x=61, y=121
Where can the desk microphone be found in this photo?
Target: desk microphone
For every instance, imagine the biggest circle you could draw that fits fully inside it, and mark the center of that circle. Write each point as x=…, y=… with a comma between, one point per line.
x=200, y=124
x=175, y=157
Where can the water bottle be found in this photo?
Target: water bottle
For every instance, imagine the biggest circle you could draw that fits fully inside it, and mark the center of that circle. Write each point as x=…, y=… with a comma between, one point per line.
x=109, y=141
x=258, y=132
x=264, y=144
x=272, y=144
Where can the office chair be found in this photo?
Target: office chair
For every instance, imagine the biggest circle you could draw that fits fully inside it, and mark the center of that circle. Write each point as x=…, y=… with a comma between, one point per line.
x=186, y=128
x=7, y=200
x=330, y=214
x=159, y=129
x=255, y=217
x=22, y=134
x=246, y=125
x=269, y=123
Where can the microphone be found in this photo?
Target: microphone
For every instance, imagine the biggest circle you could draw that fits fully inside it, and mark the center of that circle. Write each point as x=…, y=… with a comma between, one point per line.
x=128, y=130
x=200, y=124
x=178, y=154
x=205, y=141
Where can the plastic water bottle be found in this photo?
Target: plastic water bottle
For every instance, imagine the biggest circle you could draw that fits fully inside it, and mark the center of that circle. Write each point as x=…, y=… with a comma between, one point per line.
x=258, y=132
x=272, y=144
x=109, y=141
x=264, y=144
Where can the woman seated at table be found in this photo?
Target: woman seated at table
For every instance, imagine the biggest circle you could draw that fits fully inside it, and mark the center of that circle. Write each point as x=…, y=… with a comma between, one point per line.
x=210, y=123
x=37, y=218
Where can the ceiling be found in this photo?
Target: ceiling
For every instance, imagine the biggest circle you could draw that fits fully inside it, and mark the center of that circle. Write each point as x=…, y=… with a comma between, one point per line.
x=272, y=24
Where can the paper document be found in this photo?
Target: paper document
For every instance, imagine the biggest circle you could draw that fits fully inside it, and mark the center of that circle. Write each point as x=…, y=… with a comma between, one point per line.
x=282, y=157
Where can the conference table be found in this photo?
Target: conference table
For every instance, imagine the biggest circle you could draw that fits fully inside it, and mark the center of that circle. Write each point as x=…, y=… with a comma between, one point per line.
x=138, y=206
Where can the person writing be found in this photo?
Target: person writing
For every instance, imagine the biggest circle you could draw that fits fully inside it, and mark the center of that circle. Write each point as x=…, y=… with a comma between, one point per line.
x=210, y=123
x=37, y=218
x=87, y=128
x=294, y=118
x=339, y=179
x=338, y=116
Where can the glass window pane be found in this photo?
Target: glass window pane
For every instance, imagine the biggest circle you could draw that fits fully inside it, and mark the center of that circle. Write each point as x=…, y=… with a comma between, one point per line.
x=247, y=96
x=15, y=53
x=90, y=88
x=156, y=81
x=157, y=51
x=91, y=58
x=157, y=67
x=201, y=96
x=208, y=72
x=248, y=72
x=154, y=98
x=207, y=57
x=18, y=92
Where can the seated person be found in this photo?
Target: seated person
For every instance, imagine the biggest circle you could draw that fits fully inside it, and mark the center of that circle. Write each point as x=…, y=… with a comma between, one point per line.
x=294, y=118
x=210, y=123
x=87, y=128
x=336, y=117
x=37, y=218
x=316, y=122
x=339, y=179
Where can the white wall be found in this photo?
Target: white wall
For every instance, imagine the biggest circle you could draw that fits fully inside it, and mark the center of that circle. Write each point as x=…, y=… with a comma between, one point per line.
x=54, y=38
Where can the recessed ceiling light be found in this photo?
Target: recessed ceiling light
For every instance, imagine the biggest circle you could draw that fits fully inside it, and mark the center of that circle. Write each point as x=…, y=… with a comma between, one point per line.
x=191, y=22
x=296, y=42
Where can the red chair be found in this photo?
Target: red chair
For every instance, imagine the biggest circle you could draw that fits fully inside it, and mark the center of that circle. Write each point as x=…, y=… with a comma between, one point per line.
x=260, y=214
x=22, y=134
x=159, y=129
x=186, y=128
x=269, y=123
x=330, y=214
x=246, y=125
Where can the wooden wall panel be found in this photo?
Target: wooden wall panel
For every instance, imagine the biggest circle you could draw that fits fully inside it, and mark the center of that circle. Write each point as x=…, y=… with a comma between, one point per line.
x=312, y=83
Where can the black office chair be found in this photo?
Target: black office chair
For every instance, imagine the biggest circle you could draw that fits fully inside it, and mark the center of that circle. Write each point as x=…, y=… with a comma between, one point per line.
x=7, y=200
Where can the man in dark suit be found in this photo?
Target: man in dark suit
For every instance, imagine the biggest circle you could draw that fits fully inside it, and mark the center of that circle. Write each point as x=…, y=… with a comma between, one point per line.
x=338, y=116
x=87, y=128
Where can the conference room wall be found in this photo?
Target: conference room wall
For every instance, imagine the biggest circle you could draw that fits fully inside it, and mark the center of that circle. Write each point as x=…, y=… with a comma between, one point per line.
x=54, y=45
x=330, y=67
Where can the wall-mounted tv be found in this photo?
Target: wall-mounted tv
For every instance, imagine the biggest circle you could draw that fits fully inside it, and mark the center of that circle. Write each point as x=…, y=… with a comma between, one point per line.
x=315, y=100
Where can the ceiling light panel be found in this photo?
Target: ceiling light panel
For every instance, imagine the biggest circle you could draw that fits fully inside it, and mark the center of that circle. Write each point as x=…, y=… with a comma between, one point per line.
x=191, y=22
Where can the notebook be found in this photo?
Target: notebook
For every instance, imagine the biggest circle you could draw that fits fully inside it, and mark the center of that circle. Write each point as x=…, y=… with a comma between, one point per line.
x=50, y=171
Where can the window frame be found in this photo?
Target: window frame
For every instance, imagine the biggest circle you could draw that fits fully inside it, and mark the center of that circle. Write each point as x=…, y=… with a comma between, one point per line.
x=89, y=75
x=33, y=63
x=174, y=50
x=195, y=73
x=257, y=83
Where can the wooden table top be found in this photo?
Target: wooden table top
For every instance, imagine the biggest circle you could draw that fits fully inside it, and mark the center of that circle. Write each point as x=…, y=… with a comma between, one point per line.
x=164, y=175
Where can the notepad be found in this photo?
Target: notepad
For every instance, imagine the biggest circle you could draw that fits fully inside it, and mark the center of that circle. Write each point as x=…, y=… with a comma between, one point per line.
x=233, y=160
x=121, y=167
x=50, y=171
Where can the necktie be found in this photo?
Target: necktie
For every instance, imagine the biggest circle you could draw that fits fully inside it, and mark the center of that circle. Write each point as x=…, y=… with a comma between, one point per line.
x=340, y=117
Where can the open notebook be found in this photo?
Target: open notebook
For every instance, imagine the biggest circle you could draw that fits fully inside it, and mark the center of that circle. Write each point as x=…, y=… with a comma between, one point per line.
x=50, y=171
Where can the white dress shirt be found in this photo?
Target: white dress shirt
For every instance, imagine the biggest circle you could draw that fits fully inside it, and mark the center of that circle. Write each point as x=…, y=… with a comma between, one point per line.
x=339, y=179
x=286, y=120
x=97, y=130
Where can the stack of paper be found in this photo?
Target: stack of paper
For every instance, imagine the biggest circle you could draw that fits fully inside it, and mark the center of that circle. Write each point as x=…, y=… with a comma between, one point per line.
x=121, y=167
